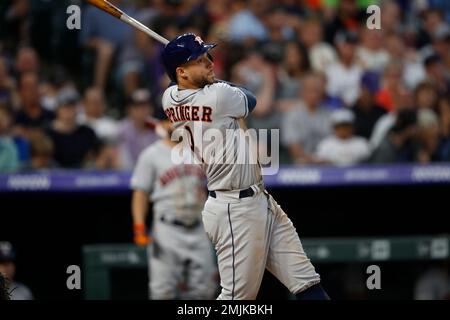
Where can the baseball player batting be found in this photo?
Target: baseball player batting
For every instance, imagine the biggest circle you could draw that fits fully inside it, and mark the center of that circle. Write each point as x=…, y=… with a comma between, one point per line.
x=248, y=228
x=181, y=259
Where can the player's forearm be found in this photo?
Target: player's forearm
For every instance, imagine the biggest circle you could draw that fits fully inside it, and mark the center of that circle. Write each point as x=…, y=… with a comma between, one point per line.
x=265, y=96
x=139, y=206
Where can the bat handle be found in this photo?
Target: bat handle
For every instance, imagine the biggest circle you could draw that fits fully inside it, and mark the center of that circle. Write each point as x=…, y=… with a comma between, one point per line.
x=143, y=28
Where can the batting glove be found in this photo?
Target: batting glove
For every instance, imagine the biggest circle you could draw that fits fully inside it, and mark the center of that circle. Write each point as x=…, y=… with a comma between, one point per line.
x=141, y=237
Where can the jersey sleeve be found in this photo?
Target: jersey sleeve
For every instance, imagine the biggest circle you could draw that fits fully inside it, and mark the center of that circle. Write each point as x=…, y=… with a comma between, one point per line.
x=234, y=101
x=144, y=173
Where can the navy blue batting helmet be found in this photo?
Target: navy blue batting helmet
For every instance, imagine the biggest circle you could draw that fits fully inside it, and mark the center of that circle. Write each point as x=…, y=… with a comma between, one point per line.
x=182, y=49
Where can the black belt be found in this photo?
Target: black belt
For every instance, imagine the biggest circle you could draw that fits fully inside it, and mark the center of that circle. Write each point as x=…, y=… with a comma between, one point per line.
x=242, y=194
x=180, y=224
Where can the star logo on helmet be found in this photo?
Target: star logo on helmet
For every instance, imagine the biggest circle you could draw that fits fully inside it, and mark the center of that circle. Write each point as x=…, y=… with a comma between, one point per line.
x=199, y=40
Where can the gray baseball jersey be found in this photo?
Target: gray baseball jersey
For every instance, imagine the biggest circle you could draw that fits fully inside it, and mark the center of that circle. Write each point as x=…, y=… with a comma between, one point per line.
x=177, y=191
x=251, y=233
x=216, y=106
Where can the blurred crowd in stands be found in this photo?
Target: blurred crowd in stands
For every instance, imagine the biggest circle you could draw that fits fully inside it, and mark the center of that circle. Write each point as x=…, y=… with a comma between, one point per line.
x=339, y=92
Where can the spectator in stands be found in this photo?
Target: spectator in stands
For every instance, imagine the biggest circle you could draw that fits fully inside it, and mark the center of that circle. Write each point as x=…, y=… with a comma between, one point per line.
x=400, y=144
x=427, y=136
x=41, y=153
x=393, y=96
x=426, y=96
x=8, y=99
x=391, y=20
x=75, y=145
x=348, y=17
x=93, y=116
x=7, y=85
x=444, y=115
x=437, y=74
x=413, y=69
x=9, y=156
x=106, y=36
x=134, y=136
x=105, y=127
x=291, y=70
x=246, y=25
x=343, y=147
x=276, y=19
x=281, y=26
x=366, y=111
x=307, y=123
x=371, y=54
x=137, y=66
x=31, y=115
x=13, y=23
x=392, y=87
x=440, y=44
x=443, y=6
x=18, y=290
x=133, y=63
x=27, y=61
x=444, y=129
x=432, y=18
x=56, y=80
x=343, y=77
x=320, y=53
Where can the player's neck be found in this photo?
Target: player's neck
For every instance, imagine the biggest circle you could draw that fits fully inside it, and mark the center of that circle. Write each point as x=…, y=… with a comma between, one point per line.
x=184, y=85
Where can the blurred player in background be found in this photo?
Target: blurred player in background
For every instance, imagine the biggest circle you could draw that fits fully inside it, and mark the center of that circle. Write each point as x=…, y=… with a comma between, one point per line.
x=4, y=288
x=18, y=291
x=181, y=259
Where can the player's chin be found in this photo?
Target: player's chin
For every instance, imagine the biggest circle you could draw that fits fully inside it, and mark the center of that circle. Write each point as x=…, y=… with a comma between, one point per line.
x=211, y=75
x=210, y=79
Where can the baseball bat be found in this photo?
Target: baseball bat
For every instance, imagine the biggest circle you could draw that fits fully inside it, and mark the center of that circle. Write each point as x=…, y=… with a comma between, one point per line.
x=111, y=9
